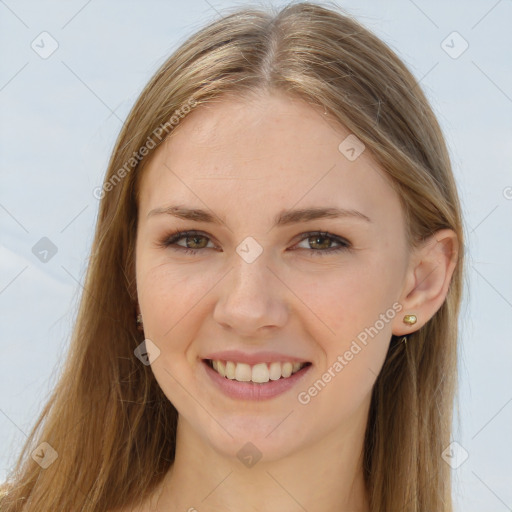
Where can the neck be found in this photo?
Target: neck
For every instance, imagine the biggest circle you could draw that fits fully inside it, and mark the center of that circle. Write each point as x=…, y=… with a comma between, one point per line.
x=323, y=477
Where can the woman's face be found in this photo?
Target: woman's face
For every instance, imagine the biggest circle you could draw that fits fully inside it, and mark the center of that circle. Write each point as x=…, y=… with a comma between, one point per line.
x=262, y=282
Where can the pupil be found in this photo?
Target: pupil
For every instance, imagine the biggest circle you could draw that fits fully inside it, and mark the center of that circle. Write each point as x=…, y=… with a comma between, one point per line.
x=316, y=238
x=195, y=239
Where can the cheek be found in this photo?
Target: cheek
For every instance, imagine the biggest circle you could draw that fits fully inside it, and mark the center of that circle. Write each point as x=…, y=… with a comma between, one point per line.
x=159, y=280
x=353, y=337
x=170, y=302
x=356, y=307
x=348, y=300
x=167, y=299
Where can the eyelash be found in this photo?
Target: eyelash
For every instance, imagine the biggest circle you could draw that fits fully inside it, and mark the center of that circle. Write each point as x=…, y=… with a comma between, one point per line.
x=170, y=240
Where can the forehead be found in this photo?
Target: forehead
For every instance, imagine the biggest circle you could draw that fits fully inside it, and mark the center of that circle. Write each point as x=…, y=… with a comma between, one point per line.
x=259, y=156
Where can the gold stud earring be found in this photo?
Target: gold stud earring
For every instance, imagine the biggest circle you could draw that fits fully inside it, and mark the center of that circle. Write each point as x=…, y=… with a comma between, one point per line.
x=410, y=319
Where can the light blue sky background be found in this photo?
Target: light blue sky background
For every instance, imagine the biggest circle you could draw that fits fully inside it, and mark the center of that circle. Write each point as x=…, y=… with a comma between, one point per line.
x=61, y=115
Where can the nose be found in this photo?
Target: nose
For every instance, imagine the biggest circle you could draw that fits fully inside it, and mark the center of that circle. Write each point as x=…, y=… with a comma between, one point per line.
x=252, y=300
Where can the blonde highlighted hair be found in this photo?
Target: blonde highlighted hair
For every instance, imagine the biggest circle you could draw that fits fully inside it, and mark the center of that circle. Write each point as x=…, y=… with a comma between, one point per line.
x=111, y=425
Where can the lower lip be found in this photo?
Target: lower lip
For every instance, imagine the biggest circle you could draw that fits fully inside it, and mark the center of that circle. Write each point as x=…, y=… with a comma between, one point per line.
x=253, y=390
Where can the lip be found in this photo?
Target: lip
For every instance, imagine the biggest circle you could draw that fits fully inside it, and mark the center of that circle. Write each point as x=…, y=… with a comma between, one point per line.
x=253, y=390
x=257, y=357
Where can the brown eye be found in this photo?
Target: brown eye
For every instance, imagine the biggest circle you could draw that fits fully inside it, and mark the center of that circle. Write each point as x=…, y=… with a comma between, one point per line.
x=316, y=242
x=194, y=241
x=320, y=243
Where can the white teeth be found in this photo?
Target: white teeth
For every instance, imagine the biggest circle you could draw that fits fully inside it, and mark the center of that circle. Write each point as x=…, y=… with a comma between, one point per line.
x=275, y=371
x=243, y=372
x=221, y=368
x=259, y=373
x=286, y=369
x=230, y=369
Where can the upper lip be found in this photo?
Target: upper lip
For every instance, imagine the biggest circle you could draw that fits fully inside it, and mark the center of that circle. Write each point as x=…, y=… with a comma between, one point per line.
x=253, y=358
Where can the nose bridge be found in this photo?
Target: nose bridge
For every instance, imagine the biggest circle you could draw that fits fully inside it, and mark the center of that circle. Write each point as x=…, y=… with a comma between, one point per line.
x=250, y=279
x=249, y=298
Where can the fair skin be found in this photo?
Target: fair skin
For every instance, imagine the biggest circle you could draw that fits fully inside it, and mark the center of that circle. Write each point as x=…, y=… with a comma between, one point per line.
x=244, y=162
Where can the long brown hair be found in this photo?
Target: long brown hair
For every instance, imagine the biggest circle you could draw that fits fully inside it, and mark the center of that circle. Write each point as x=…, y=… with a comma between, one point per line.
x=111, y=426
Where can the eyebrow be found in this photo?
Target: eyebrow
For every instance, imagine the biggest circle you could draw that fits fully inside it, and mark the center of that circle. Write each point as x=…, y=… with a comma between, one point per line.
x=283, y=218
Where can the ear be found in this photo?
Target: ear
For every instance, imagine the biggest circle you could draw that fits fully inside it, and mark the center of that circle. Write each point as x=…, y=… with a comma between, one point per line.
x=427, y=280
